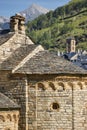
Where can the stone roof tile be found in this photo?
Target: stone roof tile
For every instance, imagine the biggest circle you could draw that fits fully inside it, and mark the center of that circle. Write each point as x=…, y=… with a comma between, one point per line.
x=47, y=63
x=4, y=38
x=6, y=103
x=17, y=56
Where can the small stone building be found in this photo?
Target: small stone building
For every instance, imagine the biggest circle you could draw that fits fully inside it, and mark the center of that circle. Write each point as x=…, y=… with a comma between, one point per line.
x=9, y=114
x=51, y=92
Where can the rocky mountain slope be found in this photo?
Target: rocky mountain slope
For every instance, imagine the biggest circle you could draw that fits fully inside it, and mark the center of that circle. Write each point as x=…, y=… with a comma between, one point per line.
x=33, y=12
x=30, y=13
x=4, y=23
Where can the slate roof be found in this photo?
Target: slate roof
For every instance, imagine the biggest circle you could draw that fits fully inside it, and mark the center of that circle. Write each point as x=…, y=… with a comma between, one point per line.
x=17, y=56
x=47, y=63
x=4, y=38
x=70, y=55
x=6, y=103
x=42, y=62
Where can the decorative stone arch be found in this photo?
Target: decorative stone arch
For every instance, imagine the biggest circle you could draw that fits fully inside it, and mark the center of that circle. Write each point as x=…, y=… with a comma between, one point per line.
x=70, y=85
x=15, y=117
x=61, y=85
x=80, y=85
x=9, y=117
x=52, y=85
x=85, y=83
x=2, y=118
x=41, y=86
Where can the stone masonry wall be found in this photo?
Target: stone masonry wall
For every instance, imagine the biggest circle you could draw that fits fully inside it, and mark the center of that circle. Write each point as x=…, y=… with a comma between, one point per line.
x=80, y=106
x=59, y=104
x=50, y=107
x=50, y=117
x=50, y=103
x=32, y=124
x=15, y=89
x=9, y=120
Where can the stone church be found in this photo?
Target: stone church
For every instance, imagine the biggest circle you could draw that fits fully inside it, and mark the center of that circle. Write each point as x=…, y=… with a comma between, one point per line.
x=38, y=90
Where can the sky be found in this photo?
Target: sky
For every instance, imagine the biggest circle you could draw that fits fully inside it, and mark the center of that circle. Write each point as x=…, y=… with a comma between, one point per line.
x=10, y=7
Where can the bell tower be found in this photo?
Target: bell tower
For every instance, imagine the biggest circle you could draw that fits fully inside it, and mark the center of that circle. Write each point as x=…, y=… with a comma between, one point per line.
x=71, y=45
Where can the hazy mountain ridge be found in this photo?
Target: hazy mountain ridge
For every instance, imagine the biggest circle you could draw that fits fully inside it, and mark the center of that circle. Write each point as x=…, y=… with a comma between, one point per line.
x=33, y=12
x=4, y=22
x=30, y=13
x=3, y=19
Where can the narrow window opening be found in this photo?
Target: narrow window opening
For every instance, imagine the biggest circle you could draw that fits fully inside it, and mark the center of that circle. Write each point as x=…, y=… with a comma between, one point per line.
x=55, y=106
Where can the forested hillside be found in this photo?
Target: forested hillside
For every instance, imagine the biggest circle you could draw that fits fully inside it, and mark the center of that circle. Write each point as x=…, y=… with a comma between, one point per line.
x=52, y=29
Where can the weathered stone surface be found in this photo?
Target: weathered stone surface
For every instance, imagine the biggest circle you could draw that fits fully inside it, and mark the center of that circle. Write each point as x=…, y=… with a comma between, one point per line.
x=51, y=92
x=9, y=120
x=44, y=62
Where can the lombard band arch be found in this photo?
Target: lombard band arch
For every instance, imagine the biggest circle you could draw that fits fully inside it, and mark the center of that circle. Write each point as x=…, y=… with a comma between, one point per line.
x=9, y=117
x=2, y=118
x=80, y=85
x=70, y=85
x=52, y=85
x=61, y=84
x=15, y=118
x=41, y=86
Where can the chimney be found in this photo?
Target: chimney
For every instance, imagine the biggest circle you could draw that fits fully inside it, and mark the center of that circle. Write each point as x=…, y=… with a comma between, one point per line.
x=71, y=45
x=17, y=24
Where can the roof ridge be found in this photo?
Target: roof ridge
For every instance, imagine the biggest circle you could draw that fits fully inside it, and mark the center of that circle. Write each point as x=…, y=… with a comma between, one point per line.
x=35, y=51
x=45, y=62
x=13, y=44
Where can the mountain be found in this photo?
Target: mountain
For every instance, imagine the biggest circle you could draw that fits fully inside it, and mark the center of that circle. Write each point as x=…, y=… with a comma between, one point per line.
x=33, y=12
x=52, y=29
x=4, y=23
